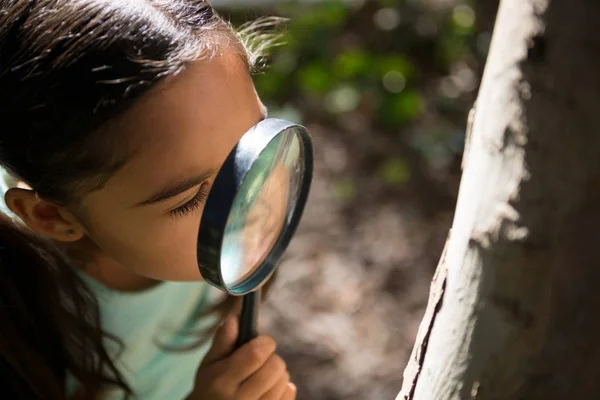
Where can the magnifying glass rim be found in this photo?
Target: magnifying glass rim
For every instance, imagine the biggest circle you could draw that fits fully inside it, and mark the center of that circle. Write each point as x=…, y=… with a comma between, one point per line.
x=238, y=163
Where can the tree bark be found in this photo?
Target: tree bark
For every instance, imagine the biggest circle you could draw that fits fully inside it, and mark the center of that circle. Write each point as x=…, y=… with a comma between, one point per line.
x=518, y=313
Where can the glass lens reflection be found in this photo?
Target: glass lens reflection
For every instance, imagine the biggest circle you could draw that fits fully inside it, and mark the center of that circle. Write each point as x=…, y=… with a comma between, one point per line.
x=262, y=208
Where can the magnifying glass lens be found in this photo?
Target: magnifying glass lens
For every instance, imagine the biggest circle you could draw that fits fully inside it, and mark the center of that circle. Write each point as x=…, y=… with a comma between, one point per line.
x=262, y=208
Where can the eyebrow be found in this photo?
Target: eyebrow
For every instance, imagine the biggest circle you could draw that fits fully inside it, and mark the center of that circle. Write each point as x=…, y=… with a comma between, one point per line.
x=176, y=188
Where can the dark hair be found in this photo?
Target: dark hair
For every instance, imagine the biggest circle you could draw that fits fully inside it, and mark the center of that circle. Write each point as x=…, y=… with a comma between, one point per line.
x=67, y=69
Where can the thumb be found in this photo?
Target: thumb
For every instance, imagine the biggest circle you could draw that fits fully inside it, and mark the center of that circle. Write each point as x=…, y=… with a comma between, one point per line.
x=224, y=341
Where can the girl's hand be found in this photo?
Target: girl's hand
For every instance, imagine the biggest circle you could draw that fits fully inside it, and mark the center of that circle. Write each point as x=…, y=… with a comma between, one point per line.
x=252, y=372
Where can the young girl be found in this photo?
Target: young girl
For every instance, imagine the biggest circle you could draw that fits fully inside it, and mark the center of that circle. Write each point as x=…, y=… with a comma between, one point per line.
x=115, y=116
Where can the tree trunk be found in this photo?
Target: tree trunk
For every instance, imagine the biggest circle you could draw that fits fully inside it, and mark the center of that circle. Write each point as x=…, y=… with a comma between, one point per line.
x=514, y=311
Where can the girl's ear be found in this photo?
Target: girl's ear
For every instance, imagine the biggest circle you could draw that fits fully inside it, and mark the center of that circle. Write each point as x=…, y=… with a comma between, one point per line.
x=42, y=217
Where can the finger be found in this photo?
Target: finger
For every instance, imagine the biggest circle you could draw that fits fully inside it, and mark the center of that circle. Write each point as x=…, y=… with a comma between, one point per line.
x=290, y=393
x=224, y=341
x=264, y=379
x=249, y=358
x=237, y=307
x=278, y=391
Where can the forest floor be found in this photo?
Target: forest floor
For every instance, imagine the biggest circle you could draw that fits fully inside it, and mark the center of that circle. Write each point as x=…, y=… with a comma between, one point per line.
x=353, y=286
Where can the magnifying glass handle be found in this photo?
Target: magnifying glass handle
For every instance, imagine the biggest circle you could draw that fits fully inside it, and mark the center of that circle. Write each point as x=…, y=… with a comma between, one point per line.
x=249, y=318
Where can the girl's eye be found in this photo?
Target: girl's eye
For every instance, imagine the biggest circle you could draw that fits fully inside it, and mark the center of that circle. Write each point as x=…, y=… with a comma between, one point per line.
x=194, y=204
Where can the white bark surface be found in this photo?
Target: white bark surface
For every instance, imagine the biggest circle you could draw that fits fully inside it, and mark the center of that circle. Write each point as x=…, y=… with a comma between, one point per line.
x=516, y=316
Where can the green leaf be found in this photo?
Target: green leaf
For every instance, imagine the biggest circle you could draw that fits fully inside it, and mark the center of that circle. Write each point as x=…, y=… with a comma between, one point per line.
x=329, y=13
x=401, y=108
x=396, y=63
x=395, y=172
x=315, y=78
x=351, y=64
x=271, y=84
x=463, y=19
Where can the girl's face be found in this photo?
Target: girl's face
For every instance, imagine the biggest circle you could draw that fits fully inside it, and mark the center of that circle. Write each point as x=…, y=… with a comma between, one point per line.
x=147, y=216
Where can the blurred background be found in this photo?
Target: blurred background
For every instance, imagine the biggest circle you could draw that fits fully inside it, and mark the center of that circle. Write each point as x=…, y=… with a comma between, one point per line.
x=385, y=87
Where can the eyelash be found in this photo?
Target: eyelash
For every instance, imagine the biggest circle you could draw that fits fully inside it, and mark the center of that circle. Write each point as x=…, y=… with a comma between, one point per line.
x=194, y=204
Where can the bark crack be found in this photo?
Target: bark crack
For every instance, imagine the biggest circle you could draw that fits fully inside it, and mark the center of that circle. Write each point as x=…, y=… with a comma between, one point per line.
x=436, y=295
x=467, y=147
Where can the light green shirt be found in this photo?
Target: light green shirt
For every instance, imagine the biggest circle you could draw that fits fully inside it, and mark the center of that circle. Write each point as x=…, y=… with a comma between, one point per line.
x=145, y=322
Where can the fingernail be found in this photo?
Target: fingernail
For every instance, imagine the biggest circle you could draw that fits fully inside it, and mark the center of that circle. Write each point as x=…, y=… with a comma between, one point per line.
x=292, y=387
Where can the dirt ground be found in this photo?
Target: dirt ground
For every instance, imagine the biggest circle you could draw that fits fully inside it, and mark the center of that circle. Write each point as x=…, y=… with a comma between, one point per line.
x=352, y=289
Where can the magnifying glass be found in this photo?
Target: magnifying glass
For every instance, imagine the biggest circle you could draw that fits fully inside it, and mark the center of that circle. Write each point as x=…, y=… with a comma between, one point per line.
x=252, y=211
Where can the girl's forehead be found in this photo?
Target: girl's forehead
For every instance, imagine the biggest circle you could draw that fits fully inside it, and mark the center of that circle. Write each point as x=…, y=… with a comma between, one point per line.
x=188, y=125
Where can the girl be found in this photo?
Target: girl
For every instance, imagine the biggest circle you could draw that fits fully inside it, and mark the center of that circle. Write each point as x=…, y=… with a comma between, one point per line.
x=115, y=115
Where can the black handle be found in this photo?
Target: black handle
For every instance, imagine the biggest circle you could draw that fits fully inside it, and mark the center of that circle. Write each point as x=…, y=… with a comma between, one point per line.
x=249, y=318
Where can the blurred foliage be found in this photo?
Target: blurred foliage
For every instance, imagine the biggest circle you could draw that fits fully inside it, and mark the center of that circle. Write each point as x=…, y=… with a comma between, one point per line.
x=409, y=67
